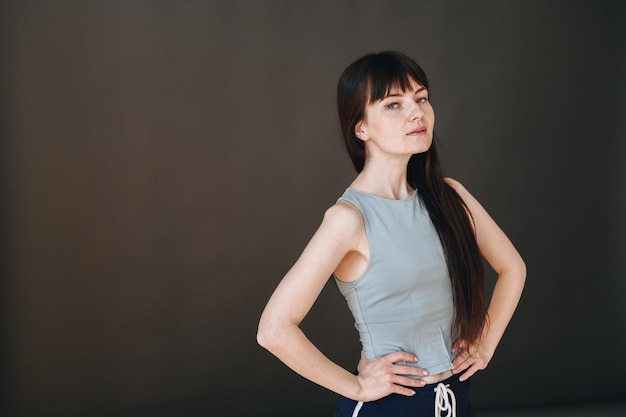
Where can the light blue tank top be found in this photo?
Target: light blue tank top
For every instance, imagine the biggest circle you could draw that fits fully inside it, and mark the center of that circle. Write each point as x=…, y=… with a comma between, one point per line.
x=403, y=300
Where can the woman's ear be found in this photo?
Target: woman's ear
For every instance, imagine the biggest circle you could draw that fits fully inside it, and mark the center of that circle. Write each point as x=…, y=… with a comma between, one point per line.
x=359, y=131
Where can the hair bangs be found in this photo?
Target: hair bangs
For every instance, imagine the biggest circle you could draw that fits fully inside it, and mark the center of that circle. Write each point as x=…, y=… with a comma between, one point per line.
x=391, y=71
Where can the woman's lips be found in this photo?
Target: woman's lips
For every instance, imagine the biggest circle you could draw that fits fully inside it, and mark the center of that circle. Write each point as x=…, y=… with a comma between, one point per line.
x=419, y=131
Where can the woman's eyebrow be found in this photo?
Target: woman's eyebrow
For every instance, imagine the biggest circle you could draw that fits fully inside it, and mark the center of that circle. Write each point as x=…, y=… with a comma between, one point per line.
x=402, y=93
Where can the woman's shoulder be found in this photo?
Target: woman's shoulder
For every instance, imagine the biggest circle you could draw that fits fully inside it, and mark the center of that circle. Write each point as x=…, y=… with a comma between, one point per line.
x=471, y=204
x=341, y=227
x=456, y=185
x=459, y=188
x=343, y=217
x=343, y=211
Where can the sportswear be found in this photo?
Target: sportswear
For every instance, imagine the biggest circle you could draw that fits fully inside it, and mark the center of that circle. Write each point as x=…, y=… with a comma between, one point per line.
x=403, y=300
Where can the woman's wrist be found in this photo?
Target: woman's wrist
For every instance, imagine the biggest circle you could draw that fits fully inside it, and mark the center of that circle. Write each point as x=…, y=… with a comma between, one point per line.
x=355, y=390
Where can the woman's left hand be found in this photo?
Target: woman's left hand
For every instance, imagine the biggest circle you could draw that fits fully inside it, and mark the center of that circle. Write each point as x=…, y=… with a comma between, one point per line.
x=472, y=358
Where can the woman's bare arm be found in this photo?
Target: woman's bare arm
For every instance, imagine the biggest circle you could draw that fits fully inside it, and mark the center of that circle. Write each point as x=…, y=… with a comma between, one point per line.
x=279, y=331
x=500, y=253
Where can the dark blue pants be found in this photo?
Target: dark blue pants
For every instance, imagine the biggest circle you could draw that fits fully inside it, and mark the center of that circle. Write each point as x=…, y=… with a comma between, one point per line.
x=422, y=404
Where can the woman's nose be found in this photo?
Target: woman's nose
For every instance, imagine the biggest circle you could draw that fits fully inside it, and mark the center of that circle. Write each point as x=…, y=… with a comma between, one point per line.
x=416, y=112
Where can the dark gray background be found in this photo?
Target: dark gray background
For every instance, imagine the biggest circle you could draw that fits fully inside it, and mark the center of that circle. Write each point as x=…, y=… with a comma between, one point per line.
x=164, y=163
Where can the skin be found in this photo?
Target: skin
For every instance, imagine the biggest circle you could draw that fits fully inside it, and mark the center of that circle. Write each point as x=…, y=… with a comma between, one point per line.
x=392, y=129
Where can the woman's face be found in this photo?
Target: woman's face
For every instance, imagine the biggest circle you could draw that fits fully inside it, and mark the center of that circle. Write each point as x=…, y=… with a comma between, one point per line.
x=400, y=124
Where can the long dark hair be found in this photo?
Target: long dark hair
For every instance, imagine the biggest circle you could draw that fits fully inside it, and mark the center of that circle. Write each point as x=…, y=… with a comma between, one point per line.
x=370, y=79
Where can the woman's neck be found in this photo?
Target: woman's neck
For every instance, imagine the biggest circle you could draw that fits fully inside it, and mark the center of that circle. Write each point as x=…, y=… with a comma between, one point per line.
x=384, y=178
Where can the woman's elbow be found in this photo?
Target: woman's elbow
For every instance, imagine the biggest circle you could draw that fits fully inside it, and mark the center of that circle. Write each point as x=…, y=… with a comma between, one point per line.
x=518, y=272
x=521, y=269
x=267, y=333
x=514, y=271
x=262, y=337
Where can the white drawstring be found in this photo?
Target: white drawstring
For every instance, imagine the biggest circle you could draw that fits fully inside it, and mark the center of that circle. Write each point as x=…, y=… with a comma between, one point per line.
x=444, y=401
x=355, y=413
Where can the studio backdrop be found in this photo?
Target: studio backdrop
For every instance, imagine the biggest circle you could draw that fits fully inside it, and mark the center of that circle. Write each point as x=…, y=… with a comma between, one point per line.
x=164, y=163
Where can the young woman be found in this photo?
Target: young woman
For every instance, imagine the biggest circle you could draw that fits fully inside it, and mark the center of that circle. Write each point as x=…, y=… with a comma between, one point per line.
x=405, y=246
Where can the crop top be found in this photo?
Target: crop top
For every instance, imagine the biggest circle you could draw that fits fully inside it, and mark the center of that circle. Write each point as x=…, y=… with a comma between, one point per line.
x=403, y=300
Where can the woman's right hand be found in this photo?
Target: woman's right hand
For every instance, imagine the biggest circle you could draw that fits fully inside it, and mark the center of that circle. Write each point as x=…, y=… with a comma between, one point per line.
x=381, y=376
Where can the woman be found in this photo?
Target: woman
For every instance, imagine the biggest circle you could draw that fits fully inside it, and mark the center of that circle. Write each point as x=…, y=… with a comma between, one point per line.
x=405, y=246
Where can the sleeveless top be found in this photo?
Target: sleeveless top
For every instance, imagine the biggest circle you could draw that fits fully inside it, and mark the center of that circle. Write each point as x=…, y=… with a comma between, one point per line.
x=403, y=300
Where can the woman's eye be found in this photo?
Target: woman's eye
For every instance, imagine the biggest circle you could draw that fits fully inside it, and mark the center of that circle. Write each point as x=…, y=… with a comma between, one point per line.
x=421, y=100
x=392, y=106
